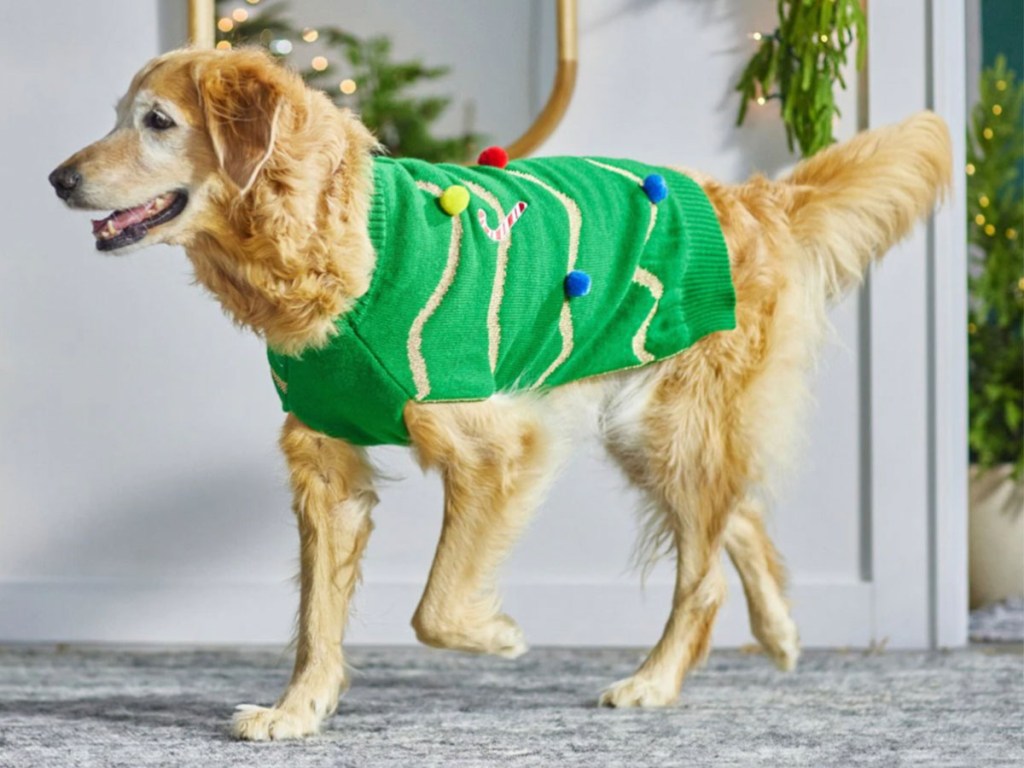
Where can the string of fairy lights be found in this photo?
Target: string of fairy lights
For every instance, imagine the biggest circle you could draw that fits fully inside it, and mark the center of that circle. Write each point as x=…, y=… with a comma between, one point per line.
x=763, y=98
x=987, y=134
x=282, y=46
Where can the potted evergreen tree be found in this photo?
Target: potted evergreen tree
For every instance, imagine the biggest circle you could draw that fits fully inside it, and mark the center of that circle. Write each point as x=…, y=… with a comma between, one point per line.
x=995, y=205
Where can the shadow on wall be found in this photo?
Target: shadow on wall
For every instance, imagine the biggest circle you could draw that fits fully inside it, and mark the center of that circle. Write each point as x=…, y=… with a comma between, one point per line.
x=182, y=527
x=151, y=541
x=172, y=24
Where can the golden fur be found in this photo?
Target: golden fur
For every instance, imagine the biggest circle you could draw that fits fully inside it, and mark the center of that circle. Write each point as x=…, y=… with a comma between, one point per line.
x=279, y=187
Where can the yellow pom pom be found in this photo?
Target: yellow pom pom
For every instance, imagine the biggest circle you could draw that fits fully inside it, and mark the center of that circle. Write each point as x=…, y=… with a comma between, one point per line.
x=454, y=199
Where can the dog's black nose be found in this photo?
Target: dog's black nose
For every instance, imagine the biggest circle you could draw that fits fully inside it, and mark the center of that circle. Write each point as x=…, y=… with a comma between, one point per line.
x=65, y=180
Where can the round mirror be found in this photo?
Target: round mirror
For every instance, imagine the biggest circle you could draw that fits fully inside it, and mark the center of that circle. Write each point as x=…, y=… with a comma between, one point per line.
x=435, y=81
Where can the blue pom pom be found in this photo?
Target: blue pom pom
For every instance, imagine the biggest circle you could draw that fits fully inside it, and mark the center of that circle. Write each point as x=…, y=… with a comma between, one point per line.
x=577, y=284
x=655, y=187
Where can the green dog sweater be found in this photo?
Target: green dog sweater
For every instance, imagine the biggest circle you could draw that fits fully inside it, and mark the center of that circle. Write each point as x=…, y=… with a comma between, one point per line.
x=548, y=271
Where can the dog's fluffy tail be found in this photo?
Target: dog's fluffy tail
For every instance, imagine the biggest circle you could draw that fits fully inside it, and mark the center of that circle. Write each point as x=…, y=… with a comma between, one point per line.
x=853, y=201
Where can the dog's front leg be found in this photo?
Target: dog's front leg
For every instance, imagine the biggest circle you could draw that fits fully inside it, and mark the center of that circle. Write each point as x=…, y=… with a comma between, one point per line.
x=494, y=458
x=333, y=488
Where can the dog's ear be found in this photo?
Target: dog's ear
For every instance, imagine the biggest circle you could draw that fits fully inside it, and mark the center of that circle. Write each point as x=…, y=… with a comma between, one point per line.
x=241, y=102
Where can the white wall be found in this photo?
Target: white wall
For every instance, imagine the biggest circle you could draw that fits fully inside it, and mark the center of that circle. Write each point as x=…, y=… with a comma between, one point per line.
x=141, y=495
x=115, y=468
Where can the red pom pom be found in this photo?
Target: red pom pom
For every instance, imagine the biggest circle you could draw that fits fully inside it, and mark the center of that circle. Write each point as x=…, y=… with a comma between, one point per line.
x=494, y=156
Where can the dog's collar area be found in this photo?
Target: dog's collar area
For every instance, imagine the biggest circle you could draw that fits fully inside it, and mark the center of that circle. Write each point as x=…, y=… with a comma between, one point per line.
x=130, y=225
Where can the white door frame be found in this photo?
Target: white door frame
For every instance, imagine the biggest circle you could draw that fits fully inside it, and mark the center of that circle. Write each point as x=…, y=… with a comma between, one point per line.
x=915, y=371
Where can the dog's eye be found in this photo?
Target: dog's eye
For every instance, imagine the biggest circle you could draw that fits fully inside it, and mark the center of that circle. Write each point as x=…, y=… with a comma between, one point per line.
x=158, y=121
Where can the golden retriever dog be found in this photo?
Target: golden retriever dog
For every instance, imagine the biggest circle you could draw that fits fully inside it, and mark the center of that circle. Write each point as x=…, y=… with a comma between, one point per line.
x=267, y=186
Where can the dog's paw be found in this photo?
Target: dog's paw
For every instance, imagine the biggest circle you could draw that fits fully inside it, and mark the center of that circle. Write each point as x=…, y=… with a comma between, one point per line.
x=498, y=636
x=252, y=723
x=638, y=691
x=786, y=652
x=503, y=637
x=782, y=643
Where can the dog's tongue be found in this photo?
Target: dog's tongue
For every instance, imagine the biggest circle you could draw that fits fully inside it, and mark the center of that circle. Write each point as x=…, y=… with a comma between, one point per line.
x=122, y=219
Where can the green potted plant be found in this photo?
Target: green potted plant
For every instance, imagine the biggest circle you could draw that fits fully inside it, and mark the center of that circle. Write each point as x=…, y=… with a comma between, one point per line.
x=995, y=205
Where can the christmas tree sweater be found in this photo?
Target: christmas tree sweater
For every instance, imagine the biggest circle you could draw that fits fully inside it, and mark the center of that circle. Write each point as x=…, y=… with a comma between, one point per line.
x=512, y=279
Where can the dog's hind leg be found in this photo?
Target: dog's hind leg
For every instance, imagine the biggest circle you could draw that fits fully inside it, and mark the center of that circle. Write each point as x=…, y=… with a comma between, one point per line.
x=681, y=450
x=699, y=591
x=764, y=579
x=333, y=488
x=493, y=458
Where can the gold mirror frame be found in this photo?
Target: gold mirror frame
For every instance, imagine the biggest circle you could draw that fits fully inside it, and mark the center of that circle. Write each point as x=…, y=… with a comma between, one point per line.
x=201, y=35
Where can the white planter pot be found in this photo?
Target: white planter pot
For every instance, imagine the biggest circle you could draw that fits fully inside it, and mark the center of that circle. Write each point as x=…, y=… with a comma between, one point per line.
x=996, y=535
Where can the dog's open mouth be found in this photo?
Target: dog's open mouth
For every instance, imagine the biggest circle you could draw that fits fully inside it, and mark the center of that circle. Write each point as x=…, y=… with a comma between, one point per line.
x=128, y=226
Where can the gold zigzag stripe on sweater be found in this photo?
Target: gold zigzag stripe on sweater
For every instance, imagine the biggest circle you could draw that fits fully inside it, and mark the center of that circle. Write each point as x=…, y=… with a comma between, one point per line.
x=653, y=284
x=641, y=276
x=281, y=383
x=572, y=210
x=500, y=271
x=414, y=346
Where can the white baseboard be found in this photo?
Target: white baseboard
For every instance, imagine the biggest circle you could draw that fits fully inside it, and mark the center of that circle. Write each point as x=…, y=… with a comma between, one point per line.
x=586, y=614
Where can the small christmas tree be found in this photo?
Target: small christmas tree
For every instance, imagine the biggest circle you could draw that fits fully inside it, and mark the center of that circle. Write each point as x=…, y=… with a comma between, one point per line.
x=374, y=86
x=995, y=205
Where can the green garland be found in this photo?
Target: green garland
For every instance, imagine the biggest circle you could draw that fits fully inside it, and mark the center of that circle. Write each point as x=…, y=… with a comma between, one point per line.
x=995, y=209
x=799, y=64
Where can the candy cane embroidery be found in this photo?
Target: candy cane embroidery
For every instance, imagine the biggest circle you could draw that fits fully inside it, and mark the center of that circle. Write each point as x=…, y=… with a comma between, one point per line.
x=500, y=274
x=499, y=234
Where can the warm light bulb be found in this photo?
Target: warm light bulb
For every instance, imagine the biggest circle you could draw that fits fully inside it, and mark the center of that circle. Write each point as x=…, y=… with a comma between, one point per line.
x=1011, y=234
x=756, y=36
x=224, y=45
x=997, y=110
x=824, y=38
x=225, y=24
x=983, y=201
x=987, y=133
x=240, y=14
x=990, y=230
x=969, y=168
x=310, y=35
x=979, y=219
x=761, y=100
x=252, y=2
x=319, y=63
x=347, y=86
x=1000, y=85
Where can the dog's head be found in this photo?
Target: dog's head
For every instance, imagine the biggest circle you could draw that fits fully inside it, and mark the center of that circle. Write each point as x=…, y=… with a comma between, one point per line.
x=193, y=125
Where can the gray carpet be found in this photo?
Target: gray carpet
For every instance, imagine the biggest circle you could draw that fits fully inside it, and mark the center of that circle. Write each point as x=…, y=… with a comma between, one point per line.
x=416, y=707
